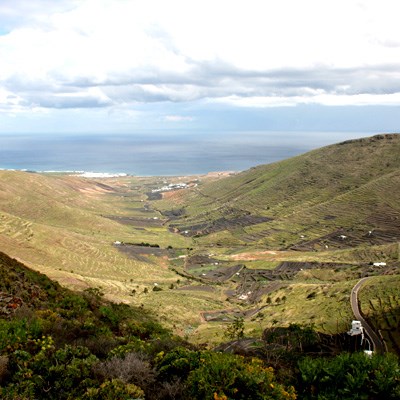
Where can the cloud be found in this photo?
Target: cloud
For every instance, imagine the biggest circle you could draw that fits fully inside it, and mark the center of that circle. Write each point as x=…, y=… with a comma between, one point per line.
x=178, y=118
x=104, y=54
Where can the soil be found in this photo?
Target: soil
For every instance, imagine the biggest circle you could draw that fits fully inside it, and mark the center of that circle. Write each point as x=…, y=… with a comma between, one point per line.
x=233, y=220
x=223, y=274
x=200, y=260
x=141, y=253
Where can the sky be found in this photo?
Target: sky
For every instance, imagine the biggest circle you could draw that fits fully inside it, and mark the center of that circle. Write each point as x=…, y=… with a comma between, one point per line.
x=134, y=65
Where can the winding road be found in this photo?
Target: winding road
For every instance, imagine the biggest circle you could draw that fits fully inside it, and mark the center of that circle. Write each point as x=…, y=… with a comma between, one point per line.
x=376, y=341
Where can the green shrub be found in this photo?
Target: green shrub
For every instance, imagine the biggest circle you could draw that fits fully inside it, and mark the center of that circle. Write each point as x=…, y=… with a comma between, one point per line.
x=350, y=376
x=225, y=376
x=235, y=330
x=177, y=363
x=45, y=372
x=114, y=389
x=15, y=333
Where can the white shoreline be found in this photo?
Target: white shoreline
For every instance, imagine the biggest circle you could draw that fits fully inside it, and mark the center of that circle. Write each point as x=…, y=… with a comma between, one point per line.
x=83, y=174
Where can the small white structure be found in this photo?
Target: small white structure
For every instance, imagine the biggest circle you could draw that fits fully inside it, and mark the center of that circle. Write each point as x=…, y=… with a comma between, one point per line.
x=343, y=237
x=368, y=353
x=117, y=243
x=379, y=264
x=356, y=329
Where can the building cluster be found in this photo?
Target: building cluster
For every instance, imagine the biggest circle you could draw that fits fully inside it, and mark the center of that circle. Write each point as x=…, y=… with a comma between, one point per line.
x=171, y=186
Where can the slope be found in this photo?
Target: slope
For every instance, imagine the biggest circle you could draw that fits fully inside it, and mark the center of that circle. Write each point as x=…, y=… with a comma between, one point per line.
x=60, y=225
x=352, y=185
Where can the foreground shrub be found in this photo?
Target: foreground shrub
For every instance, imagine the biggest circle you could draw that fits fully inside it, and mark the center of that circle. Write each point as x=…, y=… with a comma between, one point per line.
x=177, y=363
x=114, y=389
x=350, y=376
x=46, y=373
x=224, y=376
x=132, y=368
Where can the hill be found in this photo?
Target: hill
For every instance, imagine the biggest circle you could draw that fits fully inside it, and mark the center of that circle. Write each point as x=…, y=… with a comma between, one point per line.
x=65, y=226
x=341, y=196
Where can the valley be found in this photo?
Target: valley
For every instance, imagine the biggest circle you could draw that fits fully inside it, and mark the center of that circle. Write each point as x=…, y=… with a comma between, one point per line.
x=276, y=245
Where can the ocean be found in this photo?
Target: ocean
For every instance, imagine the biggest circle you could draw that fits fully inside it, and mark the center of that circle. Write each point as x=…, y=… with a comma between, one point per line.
x=158, y=153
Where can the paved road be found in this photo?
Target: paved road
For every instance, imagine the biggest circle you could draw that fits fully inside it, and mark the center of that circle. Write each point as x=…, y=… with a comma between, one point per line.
x=376, y=341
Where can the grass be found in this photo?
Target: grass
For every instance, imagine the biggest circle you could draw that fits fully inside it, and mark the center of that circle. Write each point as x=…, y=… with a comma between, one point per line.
x=326, y=305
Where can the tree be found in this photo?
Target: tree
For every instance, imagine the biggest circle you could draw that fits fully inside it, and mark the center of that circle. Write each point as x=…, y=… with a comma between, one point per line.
x=235, y=330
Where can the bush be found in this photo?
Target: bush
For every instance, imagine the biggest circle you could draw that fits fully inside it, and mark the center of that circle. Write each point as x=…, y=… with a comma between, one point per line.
x=45, y=372
x=350, y=376
x=235, y=330
x=177, y=363
x=133, y=368
x=224, y=376
x=112, y=390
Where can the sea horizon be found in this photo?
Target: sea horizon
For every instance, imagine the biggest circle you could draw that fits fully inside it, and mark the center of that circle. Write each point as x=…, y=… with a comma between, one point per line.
x=158, y=153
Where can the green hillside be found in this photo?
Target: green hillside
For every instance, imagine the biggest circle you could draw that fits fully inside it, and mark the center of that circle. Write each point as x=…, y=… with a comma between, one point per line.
x=65, y=226
x=306, y=202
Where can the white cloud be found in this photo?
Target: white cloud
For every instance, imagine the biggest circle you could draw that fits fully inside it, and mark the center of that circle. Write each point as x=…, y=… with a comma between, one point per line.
x=254, y=53
x=178, y=118
x=324, y=99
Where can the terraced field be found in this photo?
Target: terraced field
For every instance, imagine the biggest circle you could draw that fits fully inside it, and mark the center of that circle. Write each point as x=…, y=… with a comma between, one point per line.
x=59, y=228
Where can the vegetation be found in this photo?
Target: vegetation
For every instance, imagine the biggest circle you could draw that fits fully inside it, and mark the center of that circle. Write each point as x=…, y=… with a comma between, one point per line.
x=56, y=344
x=350, y=376
x=65, y=345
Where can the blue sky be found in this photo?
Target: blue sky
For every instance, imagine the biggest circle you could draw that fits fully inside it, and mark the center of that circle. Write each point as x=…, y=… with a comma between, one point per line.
x=132, y=65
